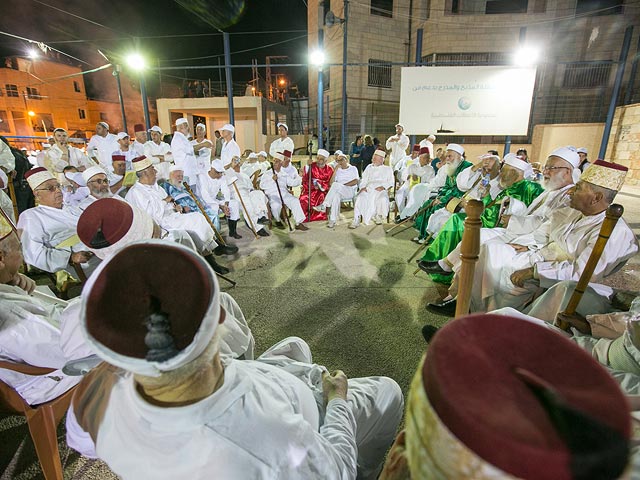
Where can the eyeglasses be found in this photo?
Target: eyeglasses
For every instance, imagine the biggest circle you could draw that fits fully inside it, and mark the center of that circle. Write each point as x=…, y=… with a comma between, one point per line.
x=100, y=181
x=553, y=168
x=51, y=188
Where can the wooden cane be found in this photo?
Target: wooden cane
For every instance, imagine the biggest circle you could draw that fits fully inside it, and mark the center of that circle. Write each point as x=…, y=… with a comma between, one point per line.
x=14, y=201
x=614, y=212
x=420, y=248
x=10, y=222
x=202, y=211
x=283, y=213
x=246, y=212
x=412, y=217
x=469, y=251
x=233, y=284
x=79, y=272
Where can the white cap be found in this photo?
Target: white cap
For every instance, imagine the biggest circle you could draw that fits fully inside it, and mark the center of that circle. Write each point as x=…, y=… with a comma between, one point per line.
x=568, y=154
x=91, y=172
x=202, y=125
x=122, y=135
x=228, y=127
x=175, y=168
x=262, y=153
x=456, y=148
x=156, y=128
x=104, y=124
x=217, y=165
x=323, y=152
x=582, y=150
x=340, y=153
x=514, y=161
x=400, y=125
x=281, y=124
x=76, y=177
x=253, y=155
x=180, y=121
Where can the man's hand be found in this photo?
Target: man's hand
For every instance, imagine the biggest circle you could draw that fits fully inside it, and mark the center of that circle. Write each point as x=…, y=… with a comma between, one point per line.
x=518, y=248
x=396, y=467
x=574, y=320
x=477, y=166
x=379, y=189
x=436, y=201
x=80, y=257
x=334, y=386
x=178, y=208
x=521, y=276
x=168, y=199
x=505, y=220
x=24, y=282
x=363, y=189
x=160, y=157
x=225, y=209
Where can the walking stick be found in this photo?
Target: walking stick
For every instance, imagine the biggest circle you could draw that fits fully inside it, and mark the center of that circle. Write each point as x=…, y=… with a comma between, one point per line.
x=412, y=217
x=283, y=213
x=246, y=212
x=202, y=211
x=79, y=272
x=469, y=251
x=14, y=201
x=614, y=212
x=422, y=246
x=309, y=192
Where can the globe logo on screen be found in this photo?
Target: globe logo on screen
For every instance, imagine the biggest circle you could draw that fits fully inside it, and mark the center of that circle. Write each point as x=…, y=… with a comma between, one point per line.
x=464, y=103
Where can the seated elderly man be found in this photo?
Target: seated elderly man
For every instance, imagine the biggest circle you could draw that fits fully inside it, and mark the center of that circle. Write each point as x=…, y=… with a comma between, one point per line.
x=253, y=202
x=121, y=180
x=276, y=183
x=509, y=274
x=214, y=190
x=414, y=189
x=315, y=187
x=253, y=169
x=343, y=188
x=62, y=154
x=147, y=195
x=189, y=414
x=96, y=180
x=48, y=231
x=372, y=201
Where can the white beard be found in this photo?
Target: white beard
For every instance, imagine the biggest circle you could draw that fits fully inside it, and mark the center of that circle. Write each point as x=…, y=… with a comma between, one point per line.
x=452, y=167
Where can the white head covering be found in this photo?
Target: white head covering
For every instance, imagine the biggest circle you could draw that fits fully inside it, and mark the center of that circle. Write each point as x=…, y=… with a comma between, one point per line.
x=567, y=153
x=323, y=152
x=37, y=176
x=122, y=135
x=281, y=124
x=102, y=277
x=201, y=125
x=175, y=168
x=217, y=165
x=228, y=127
x=92, y=172
x=582, y=150
x=456, y=148
x=262, y=153
x=514, y=161
x=104, y=124
x=156, y=128
x=77, y=177
x=400, y=125
x=180, y=121
x=253, y=155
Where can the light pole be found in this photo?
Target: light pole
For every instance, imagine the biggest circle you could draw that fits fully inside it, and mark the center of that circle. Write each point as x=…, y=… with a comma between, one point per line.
x=137, y=62
x=116, y=73
x=317, y=58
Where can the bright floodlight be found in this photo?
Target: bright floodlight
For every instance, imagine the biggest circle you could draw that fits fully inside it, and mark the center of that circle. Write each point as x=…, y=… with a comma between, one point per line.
x=136, y=61
x=31, y=113
x=33, y=53
x=317, y=57
x=526, y=56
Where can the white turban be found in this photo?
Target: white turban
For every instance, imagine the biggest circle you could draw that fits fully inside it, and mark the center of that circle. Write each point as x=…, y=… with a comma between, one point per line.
x=92, y=172
x=514, y=161
x=323, y=152
x=456, y=148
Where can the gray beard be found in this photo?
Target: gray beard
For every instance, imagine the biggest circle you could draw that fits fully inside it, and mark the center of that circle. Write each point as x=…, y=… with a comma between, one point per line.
x=452, y=167
x=102, y=195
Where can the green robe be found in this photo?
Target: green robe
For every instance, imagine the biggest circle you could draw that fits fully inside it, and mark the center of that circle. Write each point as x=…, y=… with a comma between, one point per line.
x=451, y=234
x=447, y=192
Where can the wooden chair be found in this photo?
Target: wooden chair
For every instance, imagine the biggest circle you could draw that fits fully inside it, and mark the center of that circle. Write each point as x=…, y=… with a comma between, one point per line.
x=42, y=419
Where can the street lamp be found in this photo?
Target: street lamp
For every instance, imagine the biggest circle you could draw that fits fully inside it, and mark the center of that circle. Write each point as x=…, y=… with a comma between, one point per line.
x=138, y=63
x=33, y=53
x=116, y=73
x=317, y=58
x=526, y=56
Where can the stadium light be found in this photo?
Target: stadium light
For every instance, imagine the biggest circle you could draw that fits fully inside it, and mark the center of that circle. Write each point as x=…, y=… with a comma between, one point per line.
x=317, y=57
x=33, y=53
x=526, y=56
x=136, y=61
x=31, y=113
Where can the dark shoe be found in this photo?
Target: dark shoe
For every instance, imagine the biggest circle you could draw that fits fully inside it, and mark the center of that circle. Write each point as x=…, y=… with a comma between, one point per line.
x=448, y=307
x=225, y=250
x=263, y=232
x=263, y=221
x=428, y=331
x=302, y=227
x=235, y=235
x=215, y=265
x=233, y=226
x=279, y=225
x=397, y=219
x=431, y=267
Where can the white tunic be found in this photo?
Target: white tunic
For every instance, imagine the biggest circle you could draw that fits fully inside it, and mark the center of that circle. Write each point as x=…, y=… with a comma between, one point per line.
x=203, y=158
x=184, y=157
x=230, y=149
x=339, y=192
x=150, y=198
x=287, y=177
x=54, y=162
x=152, y=150
x=7, y=160
x=279, y=145
x=398, y=149
x=138, y=147
x=7, y=206
x=216, y=192
x=44, y=229
x=371, y=202
x=426, y=143
x=255, y=201
x=103, y=147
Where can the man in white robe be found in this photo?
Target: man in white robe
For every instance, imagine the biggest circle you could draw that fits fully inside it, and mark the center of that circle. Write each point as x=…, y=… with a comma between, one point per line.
x=263, y=161
x=276, y=183
x=159, y=152
x=48, y=231
x=62, y=154
x=254, y=201
x=343, y=188
x=183, y=153
x=202, y=147
x=125, y=149
x=230, y=147
x=398, y=145
x=97, y=181
x=140, y=138
x=372, y=201
x=420, y=172
x=214, y=190
x=283, y=142
x=428, y=142
x=280, y=416
x=102, y=145
x=147, y=195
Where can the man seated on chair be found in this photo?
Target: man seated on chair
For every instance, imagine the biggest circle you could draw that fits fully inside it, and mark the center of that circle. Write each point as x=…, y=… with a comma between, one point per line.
x=372, y=201
x=188, y=413
x=48, y=231
x=414, y=189
x=255, y=201
x=214, y=190
x=321, y=174
x=343, y=188
x=511, y=274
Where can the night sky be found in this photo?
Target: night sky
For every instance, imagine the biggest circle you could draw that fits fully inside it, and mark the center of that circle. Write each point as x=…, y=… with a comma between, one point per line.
x=120, y=21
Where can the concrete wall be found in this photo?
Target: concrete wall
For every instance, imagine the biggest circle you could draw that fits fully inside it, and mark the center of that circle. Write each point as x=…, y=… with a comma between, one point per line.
x=624, y=141
x=546, y=138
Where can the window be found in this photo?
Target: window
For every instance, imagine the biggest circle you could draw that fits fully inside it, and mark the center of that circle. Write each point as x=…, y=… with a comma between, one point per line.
x=506, y=6
x=32, y=92
x=76, y=86
x=382, y=8
x=586, y=75
x=81, y=114
x=455, y=6
x=466, y=59
x=103, y=117
x=4, y=122
x=12, y=90
x=379, y=74
x=599, y=7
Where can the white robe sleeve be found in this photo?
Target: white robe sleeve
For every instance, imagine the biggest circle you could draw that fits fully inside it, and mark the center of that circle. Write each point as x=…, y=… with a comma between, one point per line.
x=35, y=251
x=466, y=178
x=7, y=160
x=339, y=431
x=403, y=143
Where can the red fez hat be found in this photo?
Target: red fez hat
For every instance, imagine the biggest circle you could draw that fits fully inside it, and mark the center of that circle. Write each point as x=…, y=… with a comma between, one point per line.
x=416, y=147
x=138, y=127
x=104, y=222
x=118, y=158
x=521, y=411
x=425, y=150
x=287, y=153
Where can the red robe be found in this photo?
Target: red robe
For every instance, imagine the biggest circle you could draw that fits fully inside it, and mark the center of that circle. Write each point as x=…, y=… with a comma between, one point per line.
x=320, y=177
